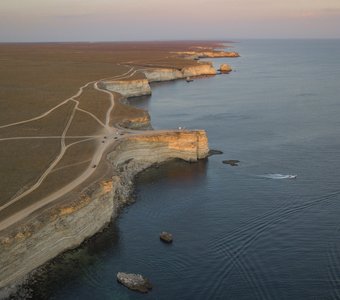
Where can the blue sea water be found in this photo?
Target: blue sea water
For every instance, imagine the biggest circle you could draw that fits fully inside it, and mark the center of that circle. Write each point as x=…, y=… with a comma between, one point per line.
x=243, y=232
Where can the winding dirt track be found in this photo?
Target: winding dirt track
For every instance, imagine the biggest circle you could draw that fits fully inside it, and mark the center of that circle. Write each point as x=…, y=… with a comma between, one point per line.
x=107, y=131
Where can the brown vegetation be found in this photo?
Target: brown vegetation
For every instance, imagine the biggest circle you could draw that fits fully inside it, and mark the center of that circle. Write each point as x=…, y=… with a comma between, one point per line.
x=22, y=162
x=95, y=102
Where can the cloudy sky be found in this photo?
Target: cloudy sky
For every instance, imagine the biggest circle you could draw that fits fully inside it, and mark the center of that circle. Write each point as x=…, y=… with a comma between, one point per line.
x=112, y=20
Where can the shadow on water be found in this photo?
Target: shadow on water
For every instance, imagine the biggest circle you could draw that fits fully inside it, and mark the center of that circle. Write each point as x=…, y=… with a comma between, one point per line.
x=67, y=268
x=176, y=171
x=142, y=102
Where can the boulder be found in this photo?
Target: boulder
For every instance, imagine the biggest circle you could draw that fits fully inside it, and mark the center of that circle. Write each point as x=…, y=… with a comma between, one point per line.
x=232, y=162
x=214, y=152
x=225, y=68
x=166, y=237
x=134, y=282
x=232, y=54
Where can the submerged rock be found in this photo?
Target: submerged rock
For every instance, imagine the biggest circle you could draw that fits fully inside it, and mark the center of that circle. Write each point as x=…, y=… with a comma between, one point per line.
x=166, y=237
x=232, y=162
x=214, y=152
x=225, y=68
x=135, y=282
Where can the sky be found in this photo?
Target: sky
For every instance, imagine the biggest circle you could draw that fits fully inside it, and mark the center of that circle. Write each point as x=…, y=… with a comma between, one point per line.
x=132, y=20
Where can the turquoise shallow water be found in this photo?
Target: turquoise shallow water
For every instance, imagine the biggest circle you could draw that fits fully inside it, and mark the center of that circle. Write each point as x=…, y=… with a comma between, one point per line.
x=239, y=232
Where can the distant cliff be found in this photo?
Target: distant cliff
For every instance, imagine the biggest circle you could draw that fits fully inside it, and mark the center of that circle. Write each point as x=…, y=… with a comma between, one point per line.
x=141, y=87
x=208, y=54
x=166, y=74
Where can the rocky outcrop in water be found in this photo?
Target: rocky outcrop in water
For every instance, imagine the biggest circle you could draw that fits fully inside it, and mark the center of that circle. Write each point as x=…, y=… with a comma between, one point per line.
x=166, y=237
x=134, y=282
x=215, y=152
x=225, y=68
x=232, y=162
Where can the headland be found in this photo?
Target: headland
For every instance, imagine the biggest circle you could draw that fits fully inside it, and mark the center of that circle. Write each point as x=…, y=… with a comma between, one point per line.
x=71, y=147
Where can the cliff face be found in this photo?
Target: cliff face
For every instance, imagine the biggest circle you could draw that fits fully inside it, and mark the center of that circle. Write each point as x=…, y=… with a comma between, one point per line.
x=225, y=68
x=128, y=88
x=203, y=69
x=137, y=123
x=162, y=74
x=186, y=145
x=208, y=54
x=43, y=238
x=165, y=74
x=141, y=87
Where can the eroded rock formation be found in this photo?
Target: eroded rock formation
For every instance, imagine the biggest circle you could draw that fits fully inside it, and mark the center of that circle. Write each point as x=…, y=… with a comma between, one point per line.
x=134, y=282
x=166, y=74
x=208, y=54
x=225, y=68
x=162, y=74
x=128, y=88
x=202, y=69
x=166, y=237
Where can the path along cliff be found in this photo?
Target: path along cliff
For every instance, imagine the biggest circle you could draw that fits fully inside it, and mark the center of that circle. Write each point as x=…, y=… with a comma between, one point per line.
x=90, y=206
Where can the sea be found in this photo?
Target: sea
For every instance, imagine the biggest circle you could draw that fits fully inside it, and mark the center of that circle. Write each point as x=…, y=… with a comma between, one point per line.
x=240, y=232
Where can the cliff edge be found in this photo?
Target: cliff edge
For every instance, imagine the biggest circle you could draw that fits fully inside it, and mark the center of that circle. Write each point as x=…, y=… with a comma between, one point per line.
x=41, y=239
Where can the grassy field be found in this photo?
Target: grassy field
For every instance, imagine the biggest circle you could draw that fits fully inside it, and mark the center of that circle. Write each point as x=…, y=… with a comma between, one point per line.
x=22, y=161
x=83, y=125
x=95, y=102
x=43, y=80
x=51, y=125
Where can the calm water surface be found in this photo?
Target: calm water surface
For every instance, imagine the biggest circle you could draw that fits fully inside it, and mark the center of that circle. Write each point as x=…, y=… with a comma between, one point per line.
x=238, y=233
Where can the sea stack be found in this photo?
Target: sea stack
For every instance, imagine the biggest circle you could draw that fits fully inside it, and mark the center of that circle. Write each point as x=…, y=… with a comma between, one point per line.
x=166, y=237
x=225, y=68
x=134, y=282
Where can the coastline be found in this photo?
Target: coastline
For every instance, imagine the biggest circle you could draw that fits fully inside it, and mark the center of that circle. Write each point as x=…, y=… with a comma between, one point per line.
x=124, y=159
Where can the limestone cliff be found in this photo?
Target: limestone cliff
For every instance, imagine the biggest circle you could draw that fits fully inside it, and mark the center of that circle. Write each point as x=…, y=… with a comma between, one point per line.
x=225, y=68
x=201, y=69
x=140, y=87
x=208, y=54
x=40, y=239
x=166, y=74
x=162, y=74
x=128, y=88
x=186, y=145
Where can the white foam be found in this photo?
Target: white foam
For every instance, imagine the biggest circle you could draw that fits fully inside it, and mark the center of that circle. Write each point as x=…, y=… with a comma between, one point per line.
x=278, y=176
